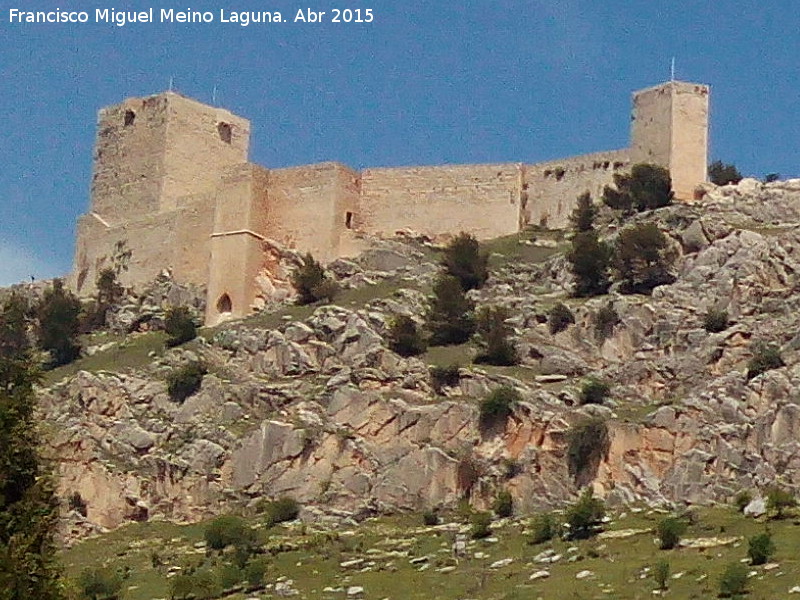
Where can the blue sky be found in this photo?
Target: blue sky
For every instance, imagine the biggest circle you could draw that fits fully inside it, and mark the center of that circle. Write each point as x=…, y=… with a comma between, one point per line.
x=481, y=81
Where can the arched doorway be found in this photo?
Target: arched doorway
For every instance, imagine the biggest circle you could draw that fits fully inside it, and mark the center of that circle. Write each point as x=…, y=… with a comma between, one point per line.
x=224, y=304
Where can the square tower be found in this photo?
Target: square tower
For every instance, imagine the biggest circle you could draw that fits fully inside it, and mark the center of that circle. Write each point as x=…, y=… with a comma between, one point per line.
x=152, y=151
x=670, y=128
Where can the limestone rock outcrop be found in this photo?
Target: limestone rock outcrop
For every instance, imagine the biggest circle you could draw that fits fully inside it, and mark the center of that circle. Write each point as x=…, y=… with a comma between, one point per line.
x=322, y=410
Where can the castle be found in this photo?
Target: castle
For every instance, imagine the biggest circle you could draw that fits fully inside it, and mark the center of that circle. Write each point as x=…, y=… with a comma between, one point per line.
x=172, y=182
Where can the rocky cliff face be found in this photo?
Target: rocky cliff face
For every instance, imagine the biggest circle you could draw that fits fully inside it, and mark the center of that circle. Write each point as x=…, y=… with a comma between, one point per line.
x=322, y=410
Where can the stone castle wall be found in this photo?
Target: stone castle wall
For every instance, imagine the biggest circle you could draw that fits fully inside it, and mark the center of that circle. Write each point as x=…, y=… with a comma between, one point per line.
x=551, y=188
x=173, y=182
x=482, y=199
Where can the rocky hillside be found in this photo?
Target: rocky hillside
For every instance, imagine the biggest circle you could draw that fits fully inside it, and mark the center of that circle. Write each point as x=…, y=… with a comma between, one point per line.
x=312, y=403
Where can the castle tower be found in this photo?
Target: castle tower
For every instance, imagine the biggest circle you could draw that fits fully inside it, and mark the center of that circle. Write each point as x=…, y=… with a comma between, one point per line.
x=152, y=151
x=237, y=254
x=158, y=164
x=670, y=129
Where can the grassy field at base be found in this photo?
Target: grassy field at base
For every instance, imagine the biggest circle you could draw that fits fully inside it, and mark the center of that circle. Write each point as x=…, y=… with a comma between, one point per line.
x=388, y=545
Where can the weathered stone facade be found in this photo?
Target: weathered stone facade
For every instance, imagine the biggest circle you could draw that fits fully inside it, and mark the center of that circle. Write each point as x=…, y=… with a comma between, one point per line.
x=173, y=183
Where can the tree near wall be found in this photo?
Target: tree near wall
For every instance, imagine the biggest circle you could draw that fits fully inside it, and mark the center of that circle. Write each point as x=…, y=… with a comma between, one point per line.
x=589, y=259
x=720, y=173
x=466, y=261
x=646, y=187
x=58, y=324
x=311, y=283
x=584, y=215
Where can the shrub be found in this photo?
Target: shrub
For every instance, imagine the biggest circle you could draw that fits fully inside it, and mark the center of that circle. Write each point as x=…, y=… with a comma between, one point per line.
x=255, y=571
x=720, y=173
x=109, y=293
x=771, y=177
x=589, y=259
x=605, y=320
x=229, y=576
x=497, y=406
x=733, y=582
x=430, y=518
x=669, y=532
x=715, y=320
x=464, y=260
x=765, y=358
x=511, y=468
x=481, y=525
x=493, y=333
x=778, y=500
x=543, y=529
x=281, y=510
x=559, y=318
x=642, y=259
x=587, y=445
x=594, y=391
x=405, y=338
x=645, y=188
x=58, y=324
x=100, y=584
x=661, y=574
x=179, y=326
x=584, y=517
x=450, y=317
x=76, y=502
x=760, y=548
x=503, y=505
x=311, y=284
x=185, y=381
x=467, y=474
x=584, y=215
x=442, y=377
x=226, y=531
x=201, y=585
x=742, y=499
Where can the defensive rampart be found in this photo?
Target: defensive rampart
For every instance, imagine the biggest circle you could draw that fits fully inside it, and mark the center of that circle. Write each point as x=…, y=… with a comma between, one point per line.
x=173, y=184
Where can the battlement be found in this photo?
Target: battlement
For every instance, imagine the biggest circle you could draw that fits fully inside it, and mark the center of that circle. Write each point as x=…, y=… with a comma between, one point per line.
x=172, y=180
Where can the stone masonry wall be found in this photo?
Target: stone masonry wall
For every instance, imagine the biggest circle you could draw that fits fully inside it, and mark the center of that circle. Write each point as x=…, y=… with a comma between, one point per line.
x=129, y=159
x=202, y=141
x=551, y=189
x=307, y=207
x=177, y=240
x=689, y=155
x=481, y=199
x=172, y=180
x=670, y=128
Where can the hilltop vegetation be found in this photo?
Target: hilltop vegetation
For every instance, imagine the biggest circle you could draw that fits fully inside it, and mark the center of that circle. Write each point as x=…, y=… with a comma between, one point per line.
x=665, y=380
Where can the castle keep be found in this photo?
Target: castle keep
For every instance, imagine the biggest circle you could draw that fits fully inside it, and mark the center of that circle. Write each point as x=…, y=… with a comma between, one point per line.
x=172, y=181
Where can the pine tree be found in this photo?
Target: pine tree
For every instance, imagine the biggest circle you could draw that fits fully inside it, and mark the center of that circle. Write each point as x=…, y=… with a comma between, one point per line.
x=28, y=505
x=464, y=260
x=59, y=324
x=589, y=260
x=496, y=348
x=450, y=317
x=582, y=218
